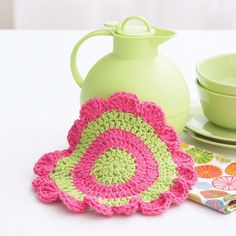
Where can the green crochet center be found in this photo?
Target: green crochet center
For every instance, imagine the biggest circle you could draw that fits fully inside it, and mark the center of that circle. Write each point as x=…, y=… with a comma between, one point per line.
x=114, y=167
x=126, y=122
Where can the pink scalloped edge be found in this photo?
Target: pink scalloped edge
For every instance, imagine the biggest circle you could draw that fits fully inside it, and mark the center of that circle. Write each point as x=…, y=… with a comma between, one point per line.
x=48, y=191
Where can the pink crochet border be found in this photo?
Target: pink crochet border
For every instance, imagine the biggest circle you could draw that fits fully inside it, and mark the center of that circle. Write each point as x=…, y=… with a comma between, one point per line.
x=48, y=192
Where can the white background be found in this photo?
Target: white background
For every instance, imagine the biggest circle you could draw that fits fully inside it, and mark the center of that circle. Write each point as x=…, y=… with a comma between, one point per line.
x=39, y=102
x=87, y=14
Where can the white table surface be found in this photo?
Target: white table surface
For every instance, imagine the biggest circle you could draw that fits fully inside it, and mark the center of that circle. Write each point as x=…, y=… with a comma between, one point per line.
x=39, y=101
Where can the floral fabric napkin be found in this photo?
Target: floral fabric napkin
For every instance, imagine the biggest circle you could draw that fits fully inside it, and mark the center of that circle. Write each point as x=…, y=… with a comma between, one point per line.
x=216, y=186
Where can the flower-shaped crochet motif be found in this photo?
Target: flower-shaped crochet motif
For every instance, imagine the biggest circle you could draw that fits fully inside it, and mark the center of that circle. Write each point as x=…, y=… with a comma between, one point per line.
x=122, y=157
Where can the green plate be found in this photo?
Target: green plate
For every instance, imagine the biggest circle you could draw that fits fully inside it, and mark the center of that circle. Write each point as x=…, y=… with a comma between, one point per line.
x=199, y=124
x=209, y=141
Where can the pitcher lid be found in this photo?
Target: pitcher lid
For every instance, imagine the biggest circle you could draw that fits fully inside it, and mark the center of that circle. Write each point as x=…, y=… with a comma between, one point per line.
x=135, y=30
x=144, y=30
x=140, y=31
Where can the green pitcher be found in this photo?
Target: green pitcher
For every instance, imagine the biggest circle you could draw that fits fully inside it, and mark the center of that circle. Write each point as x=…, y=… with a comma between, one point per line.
x=136, y=66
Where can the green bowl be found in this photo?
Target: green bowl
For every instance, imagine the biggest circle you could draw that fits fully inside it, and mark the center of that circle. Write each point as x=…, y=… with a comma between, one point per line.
x=218, y=74
x=218, y=108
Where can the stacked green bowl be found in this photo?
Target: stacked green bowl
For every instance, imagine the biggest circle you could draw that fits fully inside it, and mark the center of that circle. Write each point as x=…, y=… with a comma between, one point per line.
x=216, y=83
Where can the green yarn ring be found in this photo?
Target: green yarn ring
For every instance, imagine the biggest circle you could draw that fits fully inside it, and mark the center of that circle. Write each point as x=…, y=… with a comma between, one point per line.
x=115, y=166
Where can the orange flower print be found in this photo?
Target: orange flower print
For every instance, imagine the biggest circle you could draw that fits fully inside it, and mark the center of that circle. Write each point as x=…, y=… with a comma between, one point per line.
x=213, y=193
x=208, y=171
x=231, y=169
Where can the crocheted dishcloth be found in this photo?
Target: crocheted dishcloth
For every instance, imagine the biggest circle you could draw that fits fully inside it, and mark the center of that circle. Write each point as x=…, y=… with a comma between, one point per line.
x=122, y=157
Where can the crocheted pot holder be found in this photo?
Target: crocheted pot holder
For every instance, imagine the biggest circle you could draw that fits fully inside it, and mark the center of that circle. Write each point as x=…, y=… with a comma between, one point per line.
x=122, y=157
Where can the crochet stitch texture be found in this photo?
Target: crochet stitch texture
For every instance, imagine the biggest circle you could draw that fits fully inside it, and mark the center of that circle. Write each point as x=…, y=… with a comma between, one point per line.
x=122, y=157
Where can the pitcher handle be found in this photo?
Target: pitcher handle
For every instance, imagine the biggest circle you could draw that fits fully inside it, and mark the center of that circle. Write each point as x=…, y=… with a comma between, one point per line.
x=75, y=72
x=139, y=18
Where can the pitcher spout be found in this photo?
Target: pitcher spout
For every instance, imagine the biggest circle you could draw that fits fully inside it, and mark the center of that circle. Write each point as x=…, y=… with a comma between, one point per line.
x=161, y=35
